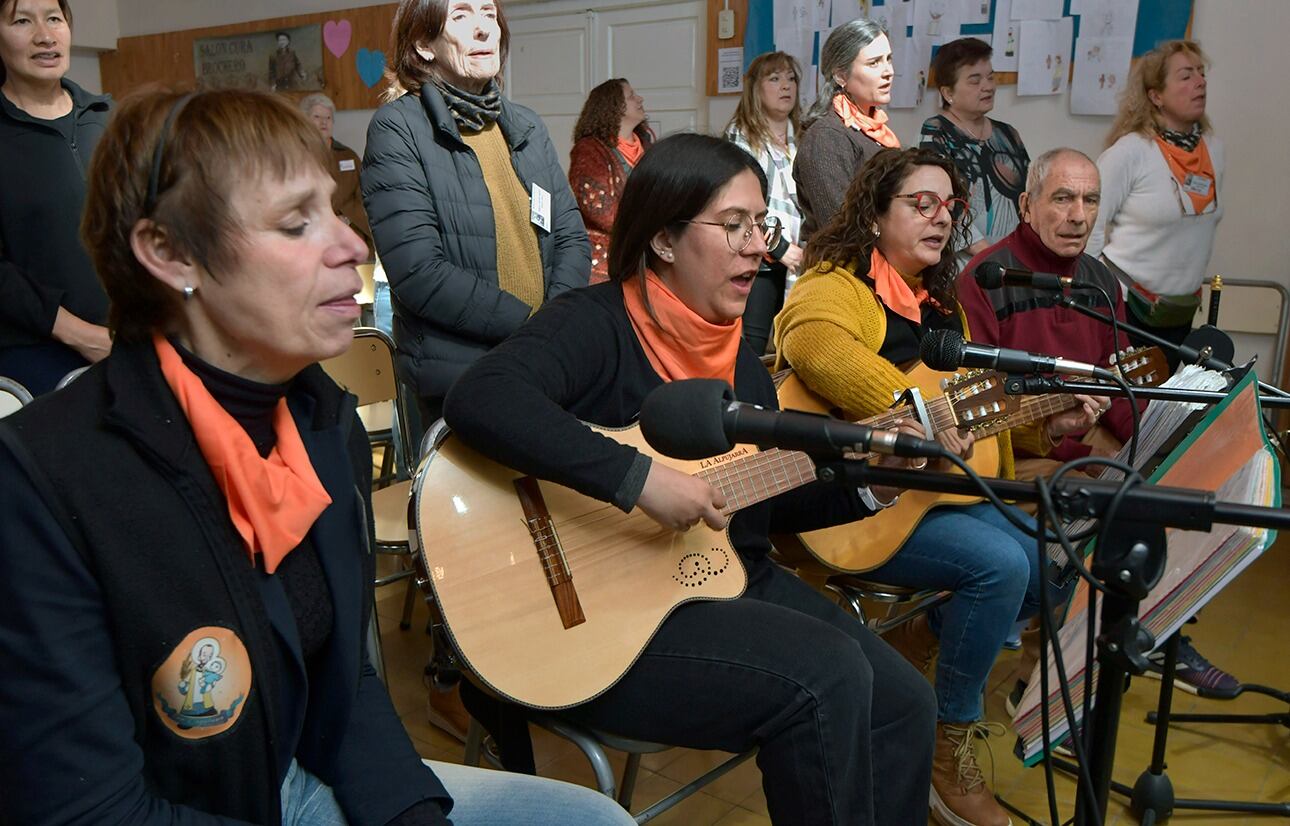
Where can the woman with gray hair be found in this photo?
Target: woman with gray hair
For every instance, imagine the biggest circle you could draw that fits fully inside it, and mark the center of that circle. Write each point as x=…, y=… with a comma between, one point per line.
x=347, y=199
x=844, y=127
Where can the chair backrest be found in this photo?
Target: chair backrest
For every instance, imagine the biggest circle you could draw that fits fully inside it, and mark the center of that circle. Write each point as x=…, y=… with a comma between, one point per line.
x=70, y=377
x=13, y=396
x=367, y=368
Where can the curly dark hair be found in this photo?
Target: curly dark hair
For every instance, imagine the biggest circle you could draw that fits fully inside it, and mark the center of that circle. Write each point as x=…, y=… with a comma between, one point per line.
x=603, y=112
x=850, y=237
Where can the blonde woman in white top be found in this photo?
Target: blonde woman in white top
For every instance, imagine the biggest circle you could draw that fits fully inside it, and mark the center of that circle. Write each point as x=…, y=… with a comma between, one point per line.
x=765, y=126
x=1162, y=181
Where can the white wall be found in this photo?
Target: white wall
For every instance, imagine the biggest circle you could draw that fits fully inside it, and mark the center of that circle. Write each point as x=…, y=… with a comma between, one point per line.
x=154, y=16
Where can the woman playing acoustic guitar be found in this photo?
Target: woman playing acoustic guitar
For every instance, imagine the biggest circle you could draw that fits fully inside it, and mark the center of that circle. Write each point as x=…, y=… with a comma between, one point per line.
x=880, y=275
x=843, y=724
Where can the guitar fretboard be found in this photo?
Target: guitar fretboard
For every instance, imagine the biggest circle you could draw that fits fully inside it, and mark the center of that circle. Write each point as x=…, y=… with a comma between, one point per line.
x=748, y=480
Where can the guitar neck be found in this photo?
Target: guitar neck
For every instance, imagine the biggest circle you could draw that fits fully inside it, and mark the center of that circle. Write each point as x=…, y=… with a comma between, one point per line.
x=1033, y=409
x=755, y=478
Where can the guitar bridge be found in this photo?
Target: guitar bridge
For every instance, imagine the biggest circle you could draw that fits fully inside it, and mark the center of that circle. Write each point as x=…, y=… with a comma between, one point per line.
x=547, y=543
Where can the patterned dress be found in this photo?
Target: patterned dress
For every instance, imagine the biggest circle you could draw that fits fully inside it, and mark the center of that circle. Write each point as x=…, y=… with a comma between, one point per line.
x=994, y=171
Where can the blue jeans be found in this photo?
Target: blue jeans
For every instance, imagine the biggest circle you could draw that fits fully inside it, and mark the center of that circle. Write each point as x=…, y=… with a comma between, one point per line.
x=481, y=797
x=989, y=565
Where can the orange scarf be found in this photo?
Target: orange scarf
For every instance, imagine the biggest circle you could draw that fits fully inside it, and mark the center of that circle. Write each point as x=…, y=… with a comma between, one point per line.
x=893, y=290
x=681, y=344
x=874, y=126
x=274, y=500
x=1186, y=164
x=632, y=149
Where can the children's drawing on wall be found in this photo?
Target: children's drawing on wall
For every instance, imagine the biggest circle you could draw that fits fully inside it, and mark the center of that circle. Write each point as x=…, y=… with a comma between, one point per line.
x=938, y=19
x=975, y=12
x=1007, y=33
x=1101, y=64
x=912, y=60
x=1035, y=10
x=1044, y=58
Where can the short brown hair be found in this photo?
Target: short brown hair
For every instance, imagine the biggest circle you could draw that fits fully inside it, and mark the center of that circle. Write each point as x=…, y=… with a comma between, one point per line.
x=849, y=238
x=1149, y=74
x=219, y=140
x=422, y=21
x=8, y=6
x=952, y=57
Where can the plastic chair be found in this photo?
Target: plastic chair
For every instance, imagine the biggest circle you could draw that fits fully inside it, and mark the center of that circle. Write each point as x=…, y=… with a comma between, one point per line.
x=367, y=371
x=13, y=396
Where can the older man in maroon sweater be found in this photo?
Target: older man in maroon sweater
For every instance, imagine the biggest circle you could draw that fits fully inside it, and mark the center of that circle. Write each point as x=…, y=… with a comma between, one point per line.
x=1058, y=210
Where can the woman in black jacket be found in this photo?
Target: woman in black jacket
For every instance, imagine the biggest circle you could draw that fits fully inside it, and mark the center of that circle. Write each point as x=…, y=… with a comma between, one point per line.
x=471, y=212
x=52, y=307
x=186, y=581
x=842, y=723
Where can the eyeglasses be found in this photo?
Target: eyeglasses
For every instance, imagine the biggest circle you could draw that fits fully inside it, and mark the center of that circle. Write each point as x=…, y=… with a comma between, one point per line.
x=929, y=205
x=739, y=230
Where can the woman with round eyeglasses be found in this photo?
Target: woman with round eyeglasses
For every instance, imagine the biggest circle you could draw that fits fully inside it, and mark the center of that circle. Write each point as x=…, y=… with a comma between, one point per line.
x=878, y=277
x=1161, y=179
x=843, y=726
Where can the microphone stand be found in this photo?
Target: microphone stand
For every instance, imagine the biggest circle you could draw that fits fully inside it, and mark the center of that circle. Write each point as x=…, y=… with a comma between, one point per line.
x=1031, y=385
x=1189, y=355
x=1129, y=565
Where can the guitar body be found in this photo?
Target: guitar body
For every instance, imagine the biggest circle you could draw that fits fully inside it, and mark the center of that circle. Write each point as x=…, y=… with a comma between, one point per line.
x=863, y=546
x=544, y=639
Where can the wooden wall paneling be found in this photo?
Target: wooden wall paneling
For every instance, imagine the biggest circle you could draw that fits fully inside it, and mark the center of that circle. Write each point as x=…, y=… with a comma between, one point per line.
x=168, y=58
x=740, y=8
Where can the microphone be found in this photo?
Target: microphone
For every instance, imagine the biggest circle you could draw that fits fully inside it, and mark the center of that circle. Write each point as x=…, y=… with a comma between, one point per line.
x=946, y=350
x=991, y=274
x=699, y=418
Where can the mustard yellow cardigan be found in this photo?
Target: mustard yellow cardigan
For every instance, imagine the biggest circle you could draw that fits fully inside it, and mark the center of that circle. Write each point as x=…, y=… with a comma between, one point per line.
x=830, y=331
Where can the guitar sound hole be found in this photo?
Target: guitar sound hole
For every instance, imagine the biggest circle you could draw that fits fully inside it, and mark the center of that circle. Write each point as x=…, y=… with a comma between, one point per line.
x=695, y=569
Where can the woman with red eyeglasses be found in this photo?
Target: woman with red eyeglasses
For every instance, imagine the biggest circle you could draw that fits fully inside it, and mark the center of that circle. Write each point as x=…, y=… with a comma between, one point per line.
x=879, y=276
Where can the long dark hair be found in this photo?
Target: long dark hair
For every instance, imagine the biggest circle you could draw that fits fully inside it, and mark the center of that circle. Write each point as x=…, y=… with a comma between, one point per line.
x=6, y=7
x=673, y=182
x=850, y=236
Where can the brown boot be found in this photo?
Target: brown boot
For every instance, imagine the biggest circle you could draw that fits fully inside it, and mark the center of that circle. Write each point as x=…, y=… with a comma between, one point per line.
x=960, y=796
x=446, y=712
x=915, y=642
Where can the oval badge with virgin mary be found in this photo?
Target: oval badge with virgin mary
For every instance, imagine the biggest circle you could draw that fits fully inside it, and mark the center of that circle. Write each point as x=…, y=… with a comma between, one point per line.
x=201, y=688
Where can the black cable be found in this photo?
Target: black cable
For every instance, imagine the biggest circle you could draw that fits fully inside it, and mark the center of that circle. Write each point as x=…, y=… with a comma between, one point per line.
x=1045, y=618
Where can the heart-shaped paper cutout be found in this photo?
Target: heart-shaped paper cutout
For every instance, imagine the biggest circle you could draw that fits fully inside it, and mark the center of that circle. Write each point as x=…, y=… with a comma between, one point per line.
x=336, y=35
x=371, y=66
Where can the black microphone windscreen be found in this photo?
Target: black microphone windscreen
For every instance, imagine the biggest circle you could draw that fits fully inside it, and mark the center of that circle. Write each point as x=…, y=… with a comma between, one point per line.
x=683, y=419
x=989, y=274
x=942, y=350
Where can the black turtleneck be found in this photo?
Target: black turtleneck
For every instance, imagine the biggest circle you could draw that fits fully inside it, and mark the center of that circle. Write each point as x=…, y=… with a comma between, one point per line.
x=252, y=404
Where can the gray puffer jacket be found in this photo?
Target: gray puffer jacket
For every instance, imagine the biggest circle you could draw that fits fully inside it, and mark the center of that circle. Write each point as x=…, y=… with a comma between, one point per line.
x=432, y=221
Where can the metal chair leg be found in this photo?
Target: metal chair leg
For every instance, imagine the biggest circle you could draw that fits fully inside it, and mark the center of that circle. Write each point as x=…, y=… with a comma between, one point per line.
x=409, y=601
x=630, y=772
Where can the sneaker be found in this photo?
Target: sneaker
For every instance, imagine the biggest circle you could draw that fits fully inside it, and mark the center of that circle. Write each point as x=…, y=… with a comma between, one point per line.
x=1013, y=642
x=1195, y=674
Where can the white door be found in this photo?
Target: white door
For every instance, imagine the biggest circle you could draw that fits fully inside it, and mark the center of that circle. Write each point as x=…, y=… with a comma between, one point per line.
x=659, y=50
x=549, y=71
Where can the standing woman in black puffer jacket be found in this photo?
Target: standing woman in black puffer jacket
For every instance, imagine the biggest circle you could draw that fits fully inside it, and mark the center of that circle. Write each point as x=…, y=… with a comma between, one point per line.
x=471, y=211
x=52, y=307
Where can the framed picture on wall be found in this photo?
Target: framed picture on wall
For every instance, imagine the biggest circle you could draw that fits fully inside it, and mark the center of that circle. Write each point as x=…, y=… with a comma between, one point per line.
x=276, y=60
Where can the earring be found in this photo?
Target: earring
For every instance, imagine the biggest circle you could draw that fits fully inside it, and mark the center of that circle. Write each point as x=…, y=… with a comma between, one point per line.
x=189, y=289
x=877, y=233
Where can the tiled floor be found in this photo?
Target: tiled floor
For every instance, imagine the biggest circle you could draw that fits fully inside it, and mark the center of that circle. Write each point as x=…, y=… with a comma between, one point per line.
x=1243, y=630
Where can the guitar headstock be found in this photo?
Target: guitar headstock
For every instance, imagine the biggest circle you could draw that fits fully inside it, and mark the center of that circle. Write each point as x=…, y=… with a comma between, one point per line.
x=1142, y=366
x=977, y=398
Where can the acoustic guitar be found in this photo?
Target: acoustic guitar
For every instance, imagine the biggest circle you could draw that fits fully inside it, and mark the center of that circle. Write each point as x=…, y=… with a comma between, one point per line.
x=970, y=400
x=549, y=595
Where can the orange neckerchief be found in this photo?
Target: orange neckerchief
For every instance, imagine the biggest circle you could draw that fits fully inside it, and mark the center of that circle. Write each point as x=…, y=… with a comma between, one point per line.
x=681, y=344
x=274, y=500
x=632, y=149
x=1183, y=163
x=894, y=290
x=874, y=126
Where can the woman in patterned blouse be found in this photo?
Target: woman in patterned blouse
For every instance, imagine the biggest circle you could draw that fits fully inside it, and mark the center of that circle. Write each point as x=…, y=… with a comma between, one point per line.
x=988, y=153
x=765, y=125
x=609, y=138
